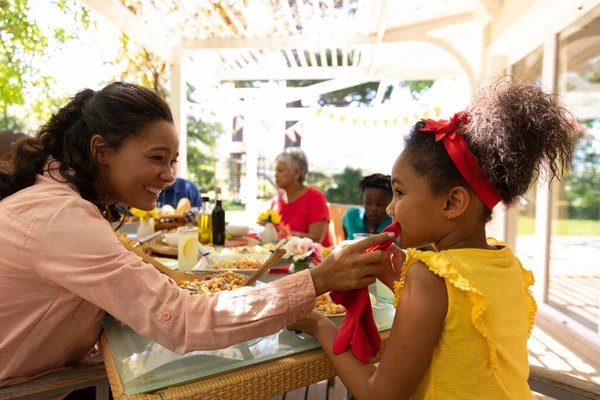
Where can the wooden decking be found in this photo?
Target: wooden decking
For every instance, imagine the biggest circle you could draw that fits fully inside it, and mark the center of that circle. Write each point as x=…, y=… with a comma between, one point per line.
x=552, y=345
x=578, y=296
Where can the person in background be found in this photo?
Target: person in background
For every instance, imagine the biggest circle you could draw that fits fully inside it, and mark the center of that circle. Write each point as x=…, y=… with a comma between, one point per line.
x=303, y=208
x=372, y=217
x=7, y=138
x=62, y=267
x=179, y=189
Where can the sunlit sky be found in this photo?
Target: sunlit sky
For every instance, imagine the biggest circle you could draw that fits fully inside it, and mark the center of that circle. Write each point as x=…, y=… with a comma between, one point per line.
x=86, y=63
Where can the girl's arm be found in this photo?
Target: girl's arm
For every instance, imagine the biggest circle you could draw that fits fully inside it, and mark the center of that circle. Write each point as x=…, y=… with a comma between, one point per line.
x=417, y=326
x=392, y=268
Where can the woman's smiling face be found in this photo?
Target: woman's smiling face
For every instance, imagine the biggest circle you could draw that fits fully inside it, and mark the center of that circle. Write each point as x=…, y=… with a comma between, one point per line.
x=136, y=172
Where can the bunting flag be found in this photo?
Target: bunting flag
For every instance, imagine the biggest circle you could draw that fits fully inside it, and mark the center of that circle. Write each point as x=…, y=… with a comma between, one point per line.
x=385, y=121
x=294, y=132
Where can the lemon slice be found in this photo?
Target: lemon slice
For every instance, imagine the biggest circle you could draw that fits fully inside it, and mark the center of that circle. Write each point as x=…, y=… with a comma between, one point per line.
x=188, y=246
x=373, y=299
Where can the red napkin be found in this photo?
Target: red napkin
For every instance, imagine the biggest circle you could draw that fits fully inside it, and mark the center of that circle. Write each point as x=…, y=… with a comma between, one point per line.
x=358, y=330
x=281, y=270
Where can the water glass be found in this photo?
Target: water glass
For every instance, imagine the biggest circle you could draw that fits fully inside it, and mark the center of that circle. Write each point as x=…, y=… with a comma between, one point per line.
x=361, y=236
x=187, y=247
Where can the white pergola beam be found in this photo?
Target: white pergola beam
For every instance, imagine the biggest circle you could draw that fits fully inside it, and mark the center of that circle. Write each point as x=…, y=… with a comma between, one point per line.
x=281, y=42
x=285, y=94
x=324, y=87
x=126, y=21
x=377, y=23
x=387, y=71
x=316, y=73
x=393, y=35
x=404, y=33
x=383, y=84
x=178, y=108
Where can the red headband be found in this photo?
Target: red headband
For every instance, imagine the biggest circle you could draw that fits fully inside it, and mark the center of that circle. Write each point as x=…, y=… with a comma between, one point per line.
x=465, y=161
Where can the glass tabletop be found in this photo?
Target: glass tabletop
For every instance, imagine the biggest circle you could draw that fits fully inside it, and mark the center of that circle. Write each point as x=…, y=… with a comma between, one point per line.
x=145, y=366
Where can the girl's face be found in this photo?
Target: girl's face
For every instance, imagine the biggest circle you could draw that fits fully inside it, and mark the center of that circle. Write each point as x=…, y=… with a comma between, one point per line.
x=375, y=202
x=140, y=168
x=419, y=213
x=285, y=175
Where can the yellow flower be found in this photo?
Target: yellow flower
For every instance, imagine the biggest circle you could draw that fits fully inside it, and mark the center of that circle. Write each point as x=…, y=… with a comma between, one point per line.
x=144, y=215
x=262, y=217
x=270, y=216
x=274, y=216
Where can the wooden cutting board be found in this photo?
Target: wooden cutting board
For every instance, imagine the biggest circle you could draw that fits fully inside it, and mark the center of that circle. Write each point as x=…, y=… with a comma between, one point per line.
x=157, y=246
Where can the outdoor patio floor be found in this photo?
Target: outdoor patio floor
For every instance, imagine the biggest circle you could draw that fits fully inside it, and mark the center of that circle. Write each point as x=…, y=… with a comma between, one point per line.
x=552, y=345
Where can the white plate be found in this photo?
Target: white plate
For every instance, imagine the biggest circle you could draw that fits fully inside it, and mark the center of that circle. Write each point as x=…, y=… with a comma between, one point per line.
x=167, y=262
x=217, y=258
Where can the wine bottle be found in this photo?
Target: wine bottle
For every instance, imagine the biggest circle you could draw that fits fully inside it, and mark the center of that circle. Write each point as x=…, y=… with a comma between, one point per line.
x=218, y=220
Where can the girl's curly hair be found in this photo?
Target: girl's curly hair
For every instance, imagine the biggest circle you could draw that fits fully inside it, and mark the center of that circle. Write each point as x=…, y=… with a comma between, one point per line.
x=516, y=131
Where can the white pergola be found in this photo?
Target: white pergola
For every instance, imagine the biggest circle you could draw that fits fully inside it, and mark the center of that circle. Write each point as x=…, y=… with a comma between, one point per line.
x=371, y=40
x=342, y=42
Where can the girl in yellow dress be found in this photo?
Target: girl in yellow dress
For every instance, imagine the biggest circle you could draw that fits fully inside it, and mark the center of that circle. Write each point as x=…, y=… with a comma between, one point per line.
x=464, y=312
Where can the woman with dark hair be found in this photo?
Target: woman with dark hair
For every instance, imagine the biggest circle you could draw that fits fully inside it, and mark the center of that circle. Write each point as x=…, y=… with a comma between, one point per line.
x=62, y=267
x=372, y=217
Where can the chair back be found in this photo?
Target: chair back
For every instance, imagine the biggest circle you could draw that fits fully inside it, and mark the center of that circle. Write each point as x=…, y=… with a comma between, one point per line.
x=336, y=228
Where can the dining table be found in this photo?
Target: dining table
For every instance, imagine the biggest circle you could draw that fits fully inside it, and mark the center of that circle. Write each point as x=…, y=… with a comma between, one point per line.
x=139, y=368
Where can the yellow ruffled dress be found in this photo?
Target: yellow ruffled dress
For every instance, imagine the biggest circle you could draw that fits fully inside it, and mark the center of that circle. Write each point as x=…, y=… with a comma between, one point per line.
x=482, y=350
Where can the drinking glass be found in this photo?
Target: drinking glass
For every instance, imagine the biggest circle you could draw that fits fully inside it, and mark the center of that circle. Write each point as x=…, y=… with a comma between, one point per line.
x=187, y=247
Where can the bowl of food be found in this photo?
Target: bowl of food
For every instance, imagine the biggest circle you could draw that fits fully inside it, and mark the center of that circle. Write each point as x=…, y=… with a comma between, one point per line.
x=236, y=231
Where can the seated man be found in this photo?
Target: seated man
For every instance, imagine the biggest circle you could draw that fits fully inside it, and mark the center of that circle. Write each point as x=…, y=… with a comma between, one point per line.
x=178, y=190
x=372, y=217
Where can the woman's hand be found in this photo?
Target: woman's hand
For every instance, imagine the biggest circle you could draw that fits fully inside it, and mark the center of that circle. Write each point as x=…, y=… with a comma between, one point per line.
x=348, y=268
x=392, y=268
x=313, y=324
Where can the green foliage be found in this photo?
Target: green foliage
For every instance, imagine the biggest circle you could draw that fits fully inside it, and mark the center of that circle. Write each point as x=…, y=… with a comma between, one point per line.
x=24, y=47
x=362, y=95
x=138, y=64
x=561, y=227
x=416, y=87
x=582, y=184
x=320, y=180
x=202, y=143
x=347, y=189
x=9, y=123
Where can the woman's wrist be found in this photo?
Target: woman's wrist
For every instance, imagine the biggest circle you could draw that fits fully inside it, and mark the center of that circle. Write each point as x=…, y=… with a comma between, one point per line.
x=319, y=281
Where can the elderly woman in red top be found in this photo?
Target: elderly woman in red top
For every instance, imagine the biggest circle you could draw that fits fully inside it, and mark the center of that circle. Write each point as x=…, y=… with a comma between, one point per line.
x=303, y=208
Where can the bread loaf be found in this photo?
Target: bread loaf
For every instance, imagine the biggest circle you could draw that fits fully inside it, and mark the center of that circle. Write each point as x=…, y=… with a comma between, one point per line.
x=184, y=206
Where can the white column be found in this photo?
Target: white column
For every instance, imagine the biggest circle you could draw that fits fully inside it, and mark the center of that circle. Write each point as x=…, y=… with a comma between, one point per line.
x=251, y=127
x=543, y=214
x=178, y=106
